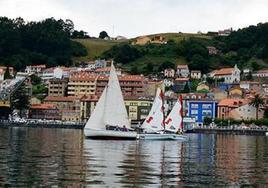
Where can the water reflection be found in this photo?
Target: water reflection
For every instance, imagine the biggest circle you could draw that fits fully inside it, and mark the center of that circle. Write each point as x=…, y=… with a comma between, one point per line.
x=63, y=158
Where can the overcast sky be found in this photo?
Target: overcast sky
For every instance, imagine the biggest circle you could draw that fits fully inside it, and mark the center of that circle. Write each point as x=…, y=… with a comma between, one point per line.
x=132, y=18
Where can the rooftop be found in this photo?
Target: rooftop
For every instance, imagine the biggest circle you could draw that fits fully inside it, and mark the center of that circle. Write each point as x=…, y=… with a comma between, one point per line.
x=233, y=102
x=224, y=71
x=60, y=99
x=182, y=67
x=43, y=106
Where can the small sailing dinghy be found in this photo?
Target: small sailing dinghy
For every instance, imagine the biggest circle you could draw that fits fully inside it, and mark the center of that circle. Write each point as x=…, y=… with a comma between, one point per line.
x=109, y=119
x=155, y=126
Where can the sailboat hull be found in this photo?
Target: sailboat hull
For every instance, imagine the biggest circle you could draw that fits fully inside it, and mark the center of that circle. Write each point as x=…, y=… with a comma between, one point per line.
x=162, y=137
x=110, y=134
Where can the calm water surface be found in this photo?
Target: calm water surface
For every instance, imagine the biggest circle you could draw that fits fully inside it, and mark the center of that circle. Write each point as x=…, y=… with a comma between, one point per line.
x=63, y=158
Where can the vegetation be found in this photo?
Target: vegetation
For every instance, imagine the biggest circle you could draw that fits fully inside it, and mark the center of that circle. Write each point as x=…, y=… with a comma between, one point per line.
x=103, y=35
x=207, y=121
x=20, y=99
x=257, y=102
x=46, y=42
x=193, y=49
x=7, y=74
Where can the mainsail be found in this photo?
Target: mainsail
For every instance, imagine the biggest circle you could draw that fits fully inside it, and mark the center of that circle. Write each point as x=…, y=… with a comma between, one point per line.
x=115, y=110
x=110, y=109
x=154, y=121
x=173, y=122
x=96, y=119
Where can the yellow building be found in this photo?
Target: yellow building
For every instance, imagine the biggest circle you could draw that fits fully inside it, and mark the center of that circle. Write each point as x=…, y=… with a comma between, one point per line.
x=69, y=107
x=202, y=87
x=142, y=40
x=138, y=108
x=4, y=103
x=235, y=92
x=57, y=87
x=82, y=83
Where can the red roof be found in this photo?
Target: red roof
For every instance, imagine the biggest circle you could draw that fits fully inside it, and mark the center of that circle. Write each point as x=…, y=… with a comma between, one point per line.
x=38, y=66
x=233, y=102
x=61, y=99
x=43, y=106
x=182, y=79
x=182, y=67
x=224, y=71
x=83, y=76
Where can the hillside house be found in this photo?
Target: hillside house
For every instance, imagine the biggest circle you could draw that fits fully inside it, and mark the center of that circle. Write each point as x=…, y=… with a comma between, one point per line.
x=196, y=74
x=169, y=73
x=183, y=71
x=230, y=75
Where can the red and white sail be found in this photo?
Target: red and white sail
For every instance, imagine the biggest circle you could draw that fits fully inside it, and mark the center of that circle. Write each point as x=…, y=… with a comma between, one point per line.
x=155, y=120
x=173, y=122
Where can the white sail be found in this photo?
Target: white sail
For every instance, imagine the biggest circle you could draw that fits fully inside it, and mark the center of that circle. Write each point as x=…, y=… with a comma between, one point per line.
x=115, y=110
x=154, y=121
x=173, y=122
x=96, y=119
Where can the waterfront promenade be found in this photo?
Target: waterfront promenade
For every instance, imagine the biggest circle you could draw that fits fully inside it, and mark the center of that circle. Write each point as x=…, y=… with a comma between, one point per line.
x=231, y=130
x=38, y=124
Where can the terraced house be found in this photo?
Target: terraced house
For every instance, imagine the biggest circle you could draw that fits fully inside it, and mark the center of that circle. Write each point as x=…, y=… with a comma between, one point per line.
x=82, y=83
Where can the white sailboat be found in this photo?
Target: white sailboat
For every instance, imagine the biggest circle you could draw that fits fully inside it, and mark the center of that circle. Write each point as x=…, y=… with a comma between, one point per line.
x=173, y=122
x=109, y=119
x=154, y=122
x=155, y=128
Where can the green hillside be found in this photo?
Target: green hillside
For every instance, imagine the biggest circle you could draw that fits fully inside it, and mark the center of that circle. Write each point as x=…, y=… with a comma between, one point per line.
x=177, y=37
x=96, y=47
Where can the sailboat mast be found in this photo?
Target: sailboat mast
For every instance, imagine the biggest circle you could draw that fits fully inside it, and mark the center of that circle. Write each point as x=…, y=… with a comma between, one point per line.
x=163, y=109
x=181, y=112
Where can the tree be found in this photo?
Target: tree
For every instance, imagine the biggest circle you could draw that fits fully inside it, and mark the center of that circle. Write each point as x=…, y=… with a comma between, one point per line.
x=134, y=70
x=186, y=88
x=265, y=115
x=199, y=63
x=35, y=79
x=7, y=74
x=257, y=102
x=149, y=68
x=207, y=121
x=20, y=99
x=103, y=35
x=166, y=65
x=255, y=66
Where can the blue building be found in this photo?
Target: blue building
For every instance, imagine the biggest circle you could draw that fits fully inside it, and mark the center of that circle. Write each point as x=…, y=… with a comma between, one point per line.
x=201, y=109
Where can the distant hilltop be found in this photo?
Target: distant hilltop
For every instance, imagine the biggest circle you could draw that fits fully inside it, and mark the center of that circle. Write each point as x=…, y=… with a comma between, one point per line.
x=245, y=47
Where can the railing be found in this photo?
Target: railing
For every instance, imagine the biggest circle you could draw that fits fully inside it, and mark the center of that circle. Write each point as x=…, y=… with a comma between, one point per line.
x=223, y=128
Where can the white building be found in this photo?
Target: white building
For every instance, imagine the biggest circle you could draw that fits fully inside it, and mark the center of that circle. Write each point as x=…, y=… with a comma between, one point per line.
x=169, y=73
x=249, y=85
x=230, y=75
x=183, y=71
x=55, y=72
x=196, y=74
x=35, y=68
x=168, y=82
x=245, y=112
x=261, y=73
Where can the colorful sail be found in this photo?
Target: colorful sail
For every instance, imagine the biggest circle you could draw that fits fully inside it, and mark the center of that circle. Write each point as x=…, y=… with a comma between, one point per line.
x=154, y=121
x=173, y=122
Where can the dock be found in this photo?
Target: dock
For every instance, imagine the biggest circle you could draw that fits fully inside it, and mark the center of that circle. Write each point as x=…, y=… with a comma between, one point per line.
x=62, y=125
x=230, y=130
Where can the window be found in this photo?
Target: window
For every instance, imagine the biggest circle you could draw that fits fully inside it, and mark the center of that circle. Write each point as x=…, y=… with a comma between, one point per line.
x=194, y=105
x=194, y=112
x=206, y=106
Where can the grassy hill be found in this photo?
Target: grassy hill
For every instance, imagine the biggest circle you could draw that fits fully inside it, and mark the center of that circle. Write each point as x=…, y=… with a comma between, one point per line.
x=155, y=61
x=96, y=47
x=177, y=37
